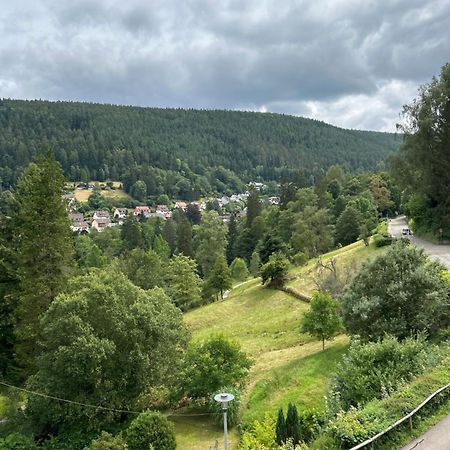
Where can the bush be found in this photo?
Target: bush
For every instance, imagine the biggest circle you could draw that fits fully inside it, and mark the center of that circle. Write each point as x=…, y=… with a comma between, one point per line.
x=401, y=292
x=300, y=258
x=353, y=427
x=211, y=364
x=239, y=269
x=382, y=241
x=107, y=441
x=17, y=441
x=233, y=407
x=275, y=271
x=377, y=369
x=150, y=429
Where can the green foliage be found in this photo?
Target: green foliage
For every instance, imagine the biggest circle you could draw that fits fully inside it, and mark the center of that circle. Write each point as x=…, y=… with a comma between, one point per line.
x=322, y=320
x=220, y=277
x=150, y=430
x=17, y=441
x=401, y=292
x=300, y=258
x=292, y=424
x=232, y=410
x=274, y=272
x=107, y=441
x=44, y=250
x=348, y=226
x=207, y=151
x=255, y=264
x=144, y=268
x=183, y=285
x=280, y=428
x=106, y=342
x=88, y=253
x=139, y=191
x=209, y=241
x=239, y=269
x=261, y=436
x=211, y=364
x=358, y=424
x=184, y=238
x=270, y=244
x=377, y=369
x=253, y=207
x=422, y=165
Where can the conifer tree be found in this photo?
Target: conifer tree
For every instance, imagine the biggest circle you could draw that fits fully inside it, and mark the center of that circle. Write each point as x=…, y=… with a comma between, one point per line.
x=253, y=206
x=170, y=235
x=184, y=237
x=231, y=238
x=44, y=250
x=292, y=424
x=280, y=429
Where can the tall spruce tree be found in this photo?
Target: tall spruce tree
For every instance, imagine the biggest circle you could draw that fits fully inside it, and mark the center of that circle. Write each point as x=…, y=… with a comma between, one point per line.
x=8, y=285
x=253, y=206
x=44, y=250
x=231, y=237
x=184, y=237
x=170, y=235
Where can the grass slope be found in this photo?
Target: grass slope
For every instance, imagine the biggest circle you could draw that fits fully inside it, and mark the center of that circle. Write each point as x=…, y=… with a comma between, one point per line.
x=288, y=366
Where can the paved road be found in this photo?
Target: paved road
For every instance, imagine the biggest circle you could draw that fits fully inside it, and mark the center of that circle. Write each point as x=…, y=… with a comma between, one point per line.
x=437, y=437
x=434, y=251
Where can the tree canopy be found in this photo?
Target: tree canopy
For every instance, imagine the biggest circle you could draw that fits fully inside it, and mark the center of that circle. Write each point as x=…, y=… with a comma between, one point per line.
x=106, y=342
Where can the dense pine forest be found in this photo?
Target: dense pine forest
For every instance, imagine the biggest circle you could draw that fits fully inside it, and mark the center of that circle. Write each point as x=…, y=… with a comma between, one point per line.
x=184, y=153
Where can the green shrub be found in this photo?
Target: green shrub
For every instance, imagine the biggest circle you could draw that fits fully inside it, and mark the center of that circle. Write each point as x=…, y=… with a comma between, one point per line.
x=17, y=441
x=300, y=258
x=150, y=428
x=107, y=441
x=377, y=369
x=356, y=425
x=261, y=436
x=381, y=240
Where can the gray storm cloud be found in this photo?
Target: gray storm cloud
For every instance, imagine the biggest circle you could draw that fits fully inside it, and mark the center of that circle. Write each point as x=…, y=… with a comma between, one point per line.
x=353, y=63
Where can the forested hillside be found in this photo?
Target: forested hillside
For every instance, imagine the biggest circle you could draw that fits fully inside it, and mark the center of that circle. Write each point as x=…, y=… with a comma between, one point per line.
x=179, y=152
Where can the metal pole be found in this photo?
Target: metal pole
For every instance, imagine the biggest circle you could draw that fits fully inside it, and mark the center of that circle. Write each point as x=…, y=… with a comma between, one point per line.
x=225, y=429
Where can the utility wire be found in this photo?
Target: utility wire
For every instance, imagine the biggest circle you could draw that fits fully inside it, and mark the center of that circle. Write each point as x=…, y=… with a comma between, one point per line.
x=88, y=405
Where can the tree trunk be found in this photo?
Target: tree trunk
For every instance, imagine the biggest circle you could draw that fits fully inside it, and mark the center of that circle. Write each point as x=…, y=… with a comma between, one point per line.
x=323, y=344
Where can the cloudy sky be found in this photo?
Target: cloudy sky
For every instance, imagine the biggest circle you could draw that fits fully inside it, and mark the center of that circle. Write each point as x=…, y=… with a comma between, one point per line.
x=353, y=63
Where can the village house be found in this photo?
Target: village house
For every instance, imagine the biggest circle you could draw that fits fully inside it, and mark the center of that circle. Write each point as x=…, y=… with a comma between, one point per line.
x=101, y=223
x=143, y=211
x=120, y=213
x=81, y=227
x=181, y=205
x=101, y=215
x=76, y=217
x=274, y=200
x=224, y=200
x=164, y=210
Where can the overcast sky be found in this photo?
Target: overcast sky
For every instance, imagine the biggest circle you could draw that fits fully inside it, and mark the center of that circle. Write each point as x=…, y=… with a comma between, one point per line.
x=352, y=63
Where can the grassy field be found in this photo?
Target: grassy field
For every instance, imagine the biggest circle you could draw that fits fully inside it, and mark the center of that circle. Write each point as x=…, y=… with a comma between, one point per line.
x=82, y=195
x=288, y=366
x=348, y=259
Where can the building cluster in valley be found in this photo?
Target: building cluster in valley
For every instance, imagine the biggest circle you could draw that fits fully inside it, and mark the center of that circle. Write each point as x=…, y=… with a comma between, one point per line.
x=102, y=219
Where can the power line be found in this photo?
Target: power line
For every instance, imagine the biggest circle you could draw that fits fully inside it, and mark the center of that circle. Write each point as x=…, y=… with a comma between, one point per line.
x=88, y=405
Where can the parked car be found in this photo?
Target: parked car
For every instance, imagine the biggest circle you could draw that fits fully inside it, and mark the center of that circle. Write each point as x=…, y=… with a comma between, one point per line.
x=406, y=232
